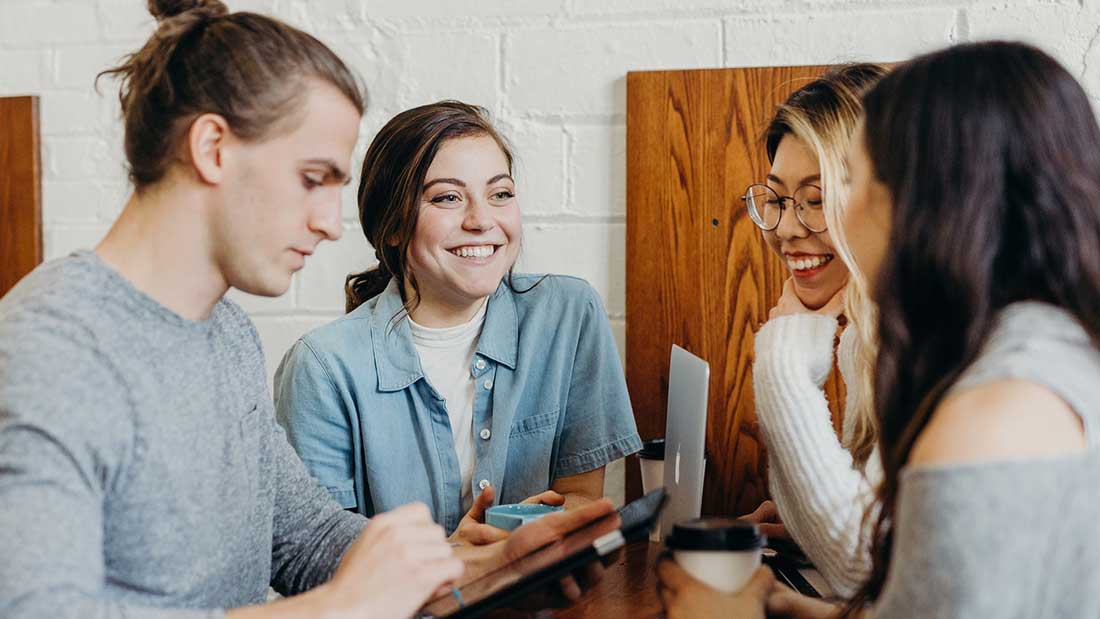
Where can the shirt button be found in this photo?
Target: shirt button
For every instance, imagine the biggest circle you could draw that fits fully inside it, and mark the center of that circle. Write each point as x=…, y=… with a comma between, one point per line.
x=480, y=364
x=483, y=484
x=488, y=384
x=485, y=433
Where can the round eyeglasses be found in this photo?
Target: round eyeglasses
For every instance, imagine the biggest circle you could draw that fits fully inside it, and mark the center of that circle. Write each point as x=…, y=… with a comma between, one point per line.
x=766, y=207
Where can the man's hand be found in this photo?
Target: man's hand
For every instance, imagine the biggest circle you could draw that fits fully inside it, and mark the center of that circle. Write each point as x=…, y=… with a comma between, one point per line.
x=396, y=564
x=537, y=535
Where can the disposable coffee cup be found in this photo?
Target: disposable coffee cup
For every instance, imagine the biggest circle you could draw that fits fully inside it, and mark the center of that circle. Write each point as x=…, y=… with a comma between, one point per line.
x=652, y=461
x=722, y=552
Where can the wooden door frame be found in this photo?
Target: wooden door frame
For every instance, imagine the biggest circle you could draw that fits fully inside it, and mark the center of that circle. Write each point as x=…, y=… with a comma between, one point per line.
x=21, y=246
x=698, y=272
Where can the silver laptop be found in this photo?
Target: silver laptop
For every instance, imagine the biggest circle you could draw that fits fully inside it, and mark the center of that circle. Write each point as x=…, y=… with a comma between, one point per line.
x=685, y=437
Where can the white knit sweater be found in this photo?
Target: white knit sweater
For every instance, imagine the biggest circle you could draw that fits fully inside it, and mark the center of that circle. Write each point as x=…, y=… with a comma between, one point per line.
x=819, y=494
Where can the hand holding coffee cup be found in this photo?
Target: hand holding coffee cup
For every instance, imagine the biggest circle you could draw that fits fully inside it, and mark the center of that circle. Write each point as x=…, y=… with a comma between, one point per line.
x=685, y=597
x=724, y=553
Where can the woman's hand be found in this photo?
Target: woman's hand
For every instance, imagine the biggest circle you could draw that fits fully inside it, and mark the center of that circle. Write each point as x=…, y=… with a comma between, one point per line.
x=786, y=603
x=685, y=597
x=789, y=304
x=472, y=529
x=767, y=518
x=399, y=561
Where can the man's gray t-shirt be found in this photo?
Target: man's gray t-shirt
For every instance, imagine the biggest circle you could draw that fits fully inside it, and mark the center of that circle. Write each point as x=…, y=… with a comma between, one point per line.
x=141, y=468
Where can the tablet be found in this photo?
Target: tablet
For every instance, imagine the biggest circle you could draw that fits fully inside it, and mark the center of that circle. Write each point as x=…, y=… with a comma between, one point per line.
x=549, y=564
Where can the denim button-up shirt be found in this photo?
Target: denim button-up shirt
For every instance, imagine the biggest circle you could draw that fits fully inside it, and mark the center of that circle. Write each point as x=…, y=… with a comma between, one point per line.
x=550, y=401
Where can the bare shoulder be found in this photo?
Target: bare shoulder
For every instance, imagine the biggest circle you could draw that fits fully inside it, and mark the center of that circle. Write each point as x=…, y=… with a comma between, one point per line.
x=1000, y=420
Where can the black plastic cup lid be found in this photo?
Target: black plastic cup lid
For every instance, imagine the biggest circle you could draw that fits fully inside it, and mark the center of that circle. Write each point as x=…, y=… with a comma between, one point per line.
x=715, y=534
x=653, y=449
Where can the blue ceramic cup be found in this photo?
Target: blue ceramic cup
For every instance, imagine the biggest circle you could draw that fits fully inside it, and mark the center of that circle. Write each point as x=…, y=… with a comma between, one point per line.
x=509, y=517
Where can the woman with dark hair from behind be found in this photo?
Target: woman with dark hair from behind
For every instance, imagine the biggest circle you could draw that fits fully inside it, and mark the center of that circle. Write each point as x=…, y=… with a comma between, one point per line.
x=975, y=184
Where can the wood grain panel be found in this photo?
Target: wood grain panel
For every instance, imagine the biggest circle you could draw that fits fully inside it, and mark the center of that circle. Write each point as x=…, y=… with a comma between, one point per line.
x=698, y=271
x=20, y=190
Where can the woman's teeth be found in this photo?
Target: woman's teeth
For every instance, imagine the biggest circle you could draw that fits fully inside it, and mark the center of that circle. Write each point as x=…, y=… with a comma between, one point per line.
x=805, y=263
x=480, y=251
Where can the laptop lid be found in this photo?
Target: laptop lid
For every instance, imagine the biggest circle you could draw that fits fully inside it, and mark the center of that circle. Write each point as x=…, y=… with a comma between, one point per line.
x=685, y=437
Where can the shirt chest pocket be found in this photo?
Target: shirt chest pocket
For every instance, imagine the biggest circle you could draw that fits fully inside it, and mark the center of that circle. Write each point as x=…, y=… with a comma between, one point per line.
x=535, y=424
x=530, y=448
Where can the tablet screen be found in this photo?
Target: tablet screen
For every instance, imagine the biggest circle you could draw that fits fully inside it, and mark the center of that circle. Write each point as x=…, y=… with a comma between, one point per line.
x=550, y=562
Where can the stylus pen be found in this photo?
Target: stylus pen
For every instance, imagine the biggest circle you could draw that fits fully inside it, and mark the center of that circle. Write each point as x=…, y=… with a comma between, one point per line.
x=458, y=596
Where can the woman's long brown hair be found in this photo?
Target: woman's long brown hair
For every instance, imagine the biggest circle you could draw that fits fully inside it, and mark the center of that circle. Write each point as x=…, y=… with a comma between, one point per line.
x=989, y=153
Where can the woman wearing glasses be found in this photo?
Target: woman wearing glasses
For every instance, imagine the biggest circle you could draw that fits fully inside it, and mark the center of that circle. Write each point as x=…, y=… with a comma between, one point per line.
x=819, y=483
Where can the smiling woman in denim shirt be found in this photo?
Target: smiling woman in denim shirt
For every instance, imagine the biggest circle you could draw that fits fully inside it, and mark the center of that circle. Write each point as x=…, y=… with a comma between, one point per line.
x=451, y=380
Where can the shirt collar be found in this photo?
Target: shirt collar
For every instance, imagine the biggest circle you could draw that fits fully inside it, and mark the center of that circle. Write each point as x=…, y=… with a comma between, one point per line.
x=500, y=335
x=395, y=357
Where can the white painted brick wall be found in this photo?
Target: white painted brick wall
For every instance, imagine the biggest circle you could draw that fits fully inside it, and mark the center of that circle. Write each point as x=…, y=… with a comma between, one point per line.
x=552, y=72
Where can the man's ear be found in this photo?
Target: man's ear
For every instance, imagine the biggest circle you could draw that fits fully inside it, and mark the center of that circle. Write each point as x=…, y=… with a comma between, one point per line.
x=207, y=140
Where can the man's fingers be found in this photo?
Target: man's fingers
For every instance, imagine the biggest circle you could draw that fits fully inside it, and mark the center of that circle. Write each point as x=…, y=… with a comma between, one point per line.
x=442, y=573
x=551, y=528
x=564, y=522
x=590, y=575
x=570, y=590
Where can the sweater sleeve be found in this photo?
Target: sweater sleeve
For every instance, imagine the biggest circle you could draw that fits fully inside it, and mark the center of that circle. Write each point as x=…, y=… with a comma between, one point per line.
x=61, y=453
x=311, y=531
x=820, y=496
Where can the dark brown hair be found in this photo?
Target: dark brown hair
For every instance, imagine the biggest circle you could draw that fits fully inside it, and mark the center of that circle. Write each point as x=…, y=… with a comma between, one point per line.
x=989, y=153
x=390, y=187
x=201, y=59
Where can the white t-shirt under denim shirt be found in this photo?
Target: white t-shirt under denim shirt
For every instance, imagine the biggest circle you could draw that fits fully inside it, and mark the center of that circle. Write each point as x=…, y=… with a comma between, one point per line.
x=446, y=355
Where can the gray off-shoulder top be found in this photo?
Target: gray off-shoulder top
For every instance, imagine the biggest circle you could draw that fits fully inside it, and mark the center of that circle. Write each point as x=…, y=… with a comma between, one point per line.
x=1012, y=538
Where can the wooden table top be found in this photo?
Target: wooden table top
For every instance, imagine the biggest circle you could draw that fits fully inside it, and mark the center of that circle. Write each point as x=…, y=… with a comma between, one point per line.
x=628, y=589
